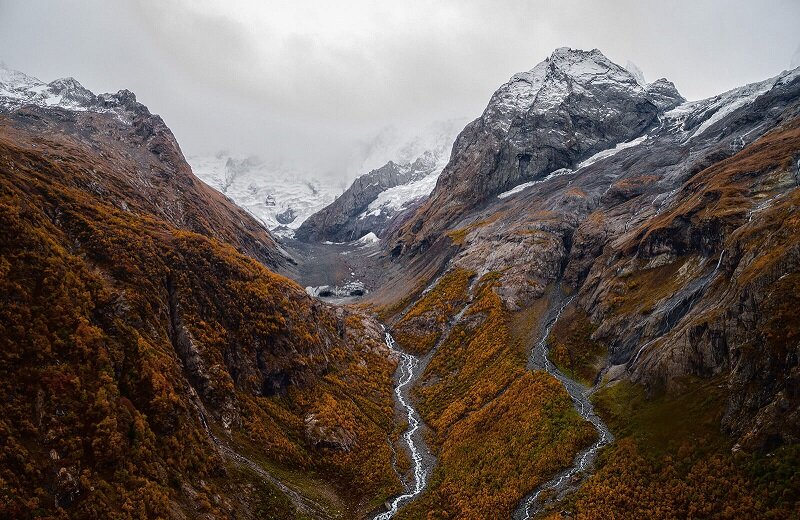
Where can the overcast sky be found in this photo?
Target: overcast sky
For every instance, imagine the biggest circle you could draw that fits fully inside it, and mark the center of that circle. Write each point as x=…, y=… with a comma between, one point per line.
x=302, y=80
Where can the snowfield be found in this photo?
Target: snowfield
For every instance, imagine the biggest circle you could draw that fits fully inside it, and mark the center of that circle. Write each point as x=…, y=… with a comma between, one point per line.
x=400, y=197
x=281, y=199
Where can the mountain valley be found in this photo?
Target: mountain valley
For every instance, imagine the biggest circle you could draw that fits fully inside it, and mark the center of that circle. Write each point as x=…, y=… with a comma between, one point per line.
x=581, y=304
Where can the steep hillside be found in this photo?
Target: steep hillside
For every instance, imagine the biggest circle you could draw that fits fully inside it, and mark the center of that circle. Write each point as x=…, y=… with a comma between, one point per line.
x=670, y=244
x=709, y=282
x=150, y=368
x=354, y=213
x=591, y=316
x=564, y=110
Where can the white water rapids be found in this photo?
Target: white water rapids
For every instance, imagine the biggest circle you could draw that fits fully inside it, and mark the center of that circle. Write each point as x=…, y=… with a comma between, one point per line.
x=407, y=365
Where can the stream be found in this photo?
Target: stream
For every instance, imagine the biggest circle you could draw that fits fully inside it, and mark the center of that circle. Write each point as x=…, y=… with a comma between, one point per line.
x=408, y=369
x=531, y=505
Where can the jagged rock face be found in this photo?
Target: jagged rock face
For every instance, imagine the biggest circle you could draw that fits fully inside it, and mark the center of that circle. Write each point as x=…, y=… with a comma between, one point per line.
x=286, y=217
x=347, y=219
x=664, y=94
x=703, y=286
x=567, y=108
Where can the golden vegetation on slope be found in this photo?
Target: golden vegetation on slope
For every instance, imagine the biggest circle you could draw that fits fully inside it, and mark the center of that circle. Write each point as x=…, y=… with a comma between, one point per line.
x=497, y=454
x=499, y=430
x=714, y=273
x=423, y=325
x=673, y=457
x=111, y=321
x=473, y=365
x=671, y=461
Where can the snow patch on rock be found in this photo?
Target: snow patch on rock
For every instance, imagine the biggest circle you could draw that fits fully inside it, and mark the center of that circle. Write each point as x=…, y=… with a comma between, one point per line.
x=548, y=84
x=368, y=239
x=522, y=187
x=400, y=197
x=714, y=109
x=609, y=152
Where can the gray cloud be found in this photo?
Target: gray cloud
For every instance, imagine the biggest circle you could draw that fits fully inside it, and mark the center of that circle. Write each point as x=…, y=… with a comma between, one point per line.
x=303, y=81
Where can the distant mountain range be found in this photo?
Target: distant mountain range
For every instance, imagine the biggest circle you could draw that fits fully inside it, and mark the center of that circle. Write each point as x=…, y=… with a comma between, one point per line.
x=283, y=198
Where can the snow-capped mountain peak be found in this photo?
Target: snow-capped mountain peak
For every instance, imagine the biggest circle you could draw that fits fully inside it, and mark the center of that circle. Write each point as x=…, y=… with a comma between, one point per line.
x=18, y=89
x=550, y=82
x=281, y=198
x=405, y=170
x=586, y=66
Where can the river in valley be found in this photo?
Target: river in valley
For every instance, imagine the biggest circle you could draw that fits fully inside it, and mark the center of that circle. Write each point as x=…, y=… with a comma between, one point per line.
x=531, y=504
x=409, y=369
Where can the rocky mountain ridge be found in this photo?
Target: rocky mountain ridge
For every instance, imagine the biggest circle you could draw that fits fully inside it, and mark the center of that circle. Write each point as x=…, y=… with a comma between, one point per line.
x=154, y=365
x=128, y=156
x=373, y=200
x=667, y=258
x=564, y=110
x=283, y=198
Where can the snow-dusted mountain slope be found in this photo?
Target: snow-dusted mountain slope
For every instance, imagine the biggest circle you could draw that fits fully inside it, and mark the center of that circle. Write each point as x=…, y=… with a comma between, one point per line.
x=693, y=118
x=374, y=199
x=404, y=146
x=402, y=196
x=280, y=198
x=569, y=74
x=18, y=89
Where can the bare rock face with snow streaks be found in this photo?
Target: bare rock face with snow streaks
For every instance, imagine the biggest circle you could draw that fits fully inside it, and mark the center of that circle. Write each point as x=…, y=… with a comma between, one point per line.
x=567, y=108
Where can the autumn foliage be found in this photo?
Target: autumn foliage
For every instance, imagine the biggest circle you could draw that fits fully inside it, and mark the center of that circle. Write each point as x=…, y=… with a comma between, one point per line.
x=499, y=430
x=672, y=462
x=118, y=328
x=422, y=326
